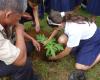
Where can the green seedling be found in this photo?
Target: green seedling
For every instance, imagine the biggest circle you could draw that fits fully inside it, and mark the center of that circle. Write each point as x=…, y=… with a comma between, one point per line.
x=52, y=47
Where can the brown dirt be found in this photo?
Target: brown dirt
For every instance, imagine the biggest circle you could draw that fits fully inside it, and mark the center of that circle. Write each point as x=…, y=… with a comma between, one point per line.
x=38, y=55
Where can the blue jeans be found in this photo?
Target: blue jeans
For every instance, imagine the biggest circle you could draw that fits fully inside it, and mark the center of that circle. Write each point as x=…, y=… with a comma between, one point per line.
x=18, y=73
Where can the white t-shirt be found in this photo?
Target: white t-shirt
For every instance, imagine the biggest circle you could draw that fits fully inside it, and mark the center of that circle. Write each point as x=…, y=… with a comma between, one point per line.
x=8, y=52
x=79, y=31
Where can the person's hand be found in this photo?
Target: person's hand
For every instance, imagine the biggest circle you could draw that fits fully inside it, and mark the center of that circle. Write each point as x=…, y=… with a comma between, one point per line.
x=37, y=28
x=52, y=58
x=36, y=44
x=19, y=28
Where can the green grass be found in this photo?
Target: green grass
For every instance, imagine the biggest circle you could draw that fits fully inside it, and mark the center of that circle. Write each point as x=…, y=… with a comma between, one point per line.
x=60, y=69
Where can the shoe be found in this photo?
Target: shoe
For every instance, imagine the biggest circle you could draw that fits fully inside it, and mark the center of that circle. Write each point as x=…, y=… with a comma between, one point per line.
x=77, y=75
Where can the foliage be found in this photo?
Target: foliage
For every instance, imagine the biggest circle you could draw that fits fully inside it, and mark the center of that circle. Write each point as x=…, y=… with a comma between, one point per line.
x=41, y=38
x=28, y=26
x=52, y=47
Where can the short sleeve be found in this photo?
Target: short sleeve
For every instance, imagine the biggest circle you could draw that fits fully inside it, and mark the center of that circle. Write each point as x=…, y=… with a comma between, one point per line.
x=73, y=39
x=74, y=33
x=8, y=52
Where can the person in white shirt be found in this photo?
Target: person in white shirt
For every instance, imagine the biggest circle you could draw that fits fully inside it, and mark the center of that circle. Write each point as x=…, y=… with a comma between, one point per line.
x=81, y=36
x=13, y=58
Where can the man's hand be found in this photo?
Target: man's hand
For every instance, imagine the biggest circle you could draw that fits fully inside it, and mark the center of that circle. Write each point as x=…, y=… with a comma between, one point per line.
x=19, y=27
x=36, y=44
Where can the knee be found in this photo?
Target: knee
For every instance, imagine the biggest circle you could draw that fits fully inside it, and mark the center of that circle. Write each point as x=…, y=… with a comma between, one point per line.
x=82, y=67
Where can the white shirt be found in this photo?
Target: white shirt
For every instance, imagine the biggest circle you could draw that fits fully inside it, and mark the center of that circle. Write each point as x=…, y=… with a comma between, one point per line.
x=79, y=31
x=8, y=52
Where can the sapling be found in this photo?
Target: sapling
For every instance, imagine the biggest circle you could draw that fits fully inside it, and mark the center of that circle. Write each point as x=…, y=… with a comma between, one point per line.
x=52, y=47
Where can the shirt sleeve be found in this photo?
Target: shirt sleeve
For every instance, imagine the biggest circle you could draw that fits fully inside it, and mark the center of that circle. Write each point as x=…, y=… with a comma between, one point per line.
x=8, y=52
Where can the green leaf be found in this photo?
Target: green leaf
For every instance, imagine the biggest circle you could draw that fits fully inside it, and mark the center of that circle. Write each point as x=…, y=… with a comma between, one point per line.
x=59, y=47
x=52, y=47
x=41, y=38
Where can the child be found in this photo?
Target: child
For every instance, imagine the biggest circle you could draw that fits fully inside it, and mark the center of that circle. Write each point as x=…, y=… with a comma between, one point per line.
x=81, y=36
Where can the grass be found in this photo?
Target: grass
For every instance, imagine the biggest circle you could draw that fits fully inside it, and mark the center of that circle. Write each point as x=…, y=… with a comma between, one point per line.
x=60, y=70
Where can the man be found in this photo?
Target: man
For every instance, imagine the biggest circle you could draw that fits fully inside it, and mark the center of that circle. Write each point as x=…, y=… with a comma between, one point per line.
x=13, y=58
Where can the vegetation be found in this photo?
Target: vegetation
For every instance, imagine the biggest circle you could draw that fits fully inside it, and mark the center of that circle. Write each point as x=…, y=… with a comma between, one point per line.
x=52, y=47
x=60, y=70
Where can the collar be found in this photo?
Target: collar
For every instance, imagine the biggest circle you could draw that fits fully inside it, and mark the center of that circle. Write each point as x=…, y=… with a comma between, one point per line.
x=1, y=27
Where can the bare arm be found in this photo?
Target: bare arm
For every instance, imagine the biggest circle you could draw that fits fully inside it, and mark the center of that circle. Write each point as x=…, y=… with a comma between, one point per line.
x=20, y=43
x=62, y=54
x=35, y=43
x=54, y=33
x=27, y=36
x=36, y=16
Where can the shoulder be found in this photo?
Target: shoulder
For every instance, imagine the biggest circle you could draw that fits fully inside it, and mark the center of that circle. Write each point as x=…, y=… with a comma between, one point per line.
x=72, y=28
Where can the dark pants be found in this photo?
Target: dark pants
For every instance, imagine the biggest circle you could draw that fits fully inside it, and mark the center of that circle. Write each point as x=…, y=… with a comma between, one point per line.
x=18, y=73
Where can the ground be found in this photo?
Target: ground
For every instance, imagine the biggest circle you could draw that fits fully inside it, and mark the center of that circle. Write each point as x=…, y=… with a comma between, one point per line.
x=60, y=70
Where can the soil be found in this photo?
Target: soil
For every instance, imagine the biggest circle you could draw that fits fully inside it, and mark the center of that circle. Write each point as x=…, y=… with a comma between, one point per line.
x=39, y=55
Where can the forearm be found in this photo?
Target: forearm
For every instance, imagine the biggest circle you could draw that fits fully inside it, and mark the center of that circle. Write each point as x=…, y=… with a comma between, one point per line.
x=27, y=36
x=36, y=15
x=54, y=33
x=62, y=54
x=20, y=43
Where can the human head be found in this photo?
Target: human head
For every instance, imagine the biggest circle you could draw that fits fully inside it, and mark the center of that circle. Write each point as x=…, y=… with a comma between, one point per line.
x=54, y=18
x=11, y=11
x=62, y=39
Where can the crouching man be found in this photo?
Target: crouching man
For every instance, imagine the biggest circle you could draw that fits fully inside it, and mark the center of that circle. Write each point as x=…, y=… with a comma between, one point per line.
x=13, y=58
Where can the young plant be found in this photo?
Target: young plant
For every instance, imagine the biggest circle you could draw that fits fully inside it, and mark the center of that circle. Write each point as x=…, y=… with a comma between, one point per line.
x=41, y=38
x=52, y=47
